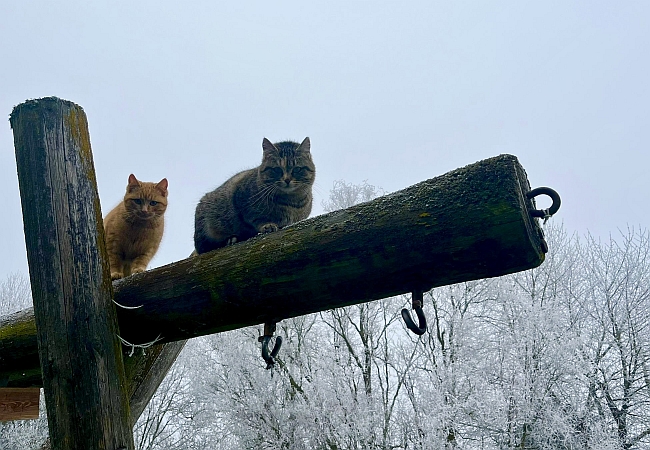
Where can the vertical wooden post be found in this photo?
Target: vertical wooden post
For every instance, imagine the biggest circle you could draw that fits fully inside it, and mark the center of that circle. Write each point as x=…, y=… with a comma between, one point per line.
x=79, y=351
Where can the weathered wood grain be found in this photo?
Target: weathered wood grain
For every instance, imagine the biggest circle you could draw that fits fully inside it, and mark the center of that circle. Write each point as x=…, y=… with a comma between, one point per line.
x=79, y=352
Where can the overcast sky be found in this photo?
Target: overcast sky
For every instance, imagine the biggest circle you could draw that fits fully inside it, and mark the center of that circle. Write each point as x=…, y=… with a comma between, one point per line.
x=389, y=92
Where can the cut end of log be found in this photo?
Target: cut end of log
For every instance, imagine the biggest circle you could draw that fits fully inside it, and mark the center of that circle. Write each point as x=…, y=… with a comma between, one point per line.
x=47, y=103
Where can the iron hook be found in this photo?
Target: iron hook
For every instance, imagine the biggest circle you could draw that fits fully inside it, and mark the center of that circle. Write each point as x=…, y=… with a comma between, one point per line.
x=416, y=302
x=269, y=358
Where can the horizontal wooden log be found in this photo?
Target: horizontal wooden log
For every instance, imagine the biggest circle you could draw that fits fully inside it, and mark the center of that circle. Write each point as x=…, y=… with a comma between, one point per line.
x=471, y=223
x=19, y=403
x=19, y=364
x=468, y=224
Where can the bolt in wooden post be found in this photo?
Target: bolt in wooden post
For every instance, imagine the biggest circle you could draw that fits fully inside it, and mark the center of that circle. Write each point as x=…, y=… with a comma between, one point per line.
x=79, y=351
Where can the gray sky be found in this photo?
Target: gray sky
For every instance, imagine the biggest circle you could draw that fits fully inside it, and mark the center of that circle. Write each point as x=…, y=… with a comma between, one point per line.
x=389, y=92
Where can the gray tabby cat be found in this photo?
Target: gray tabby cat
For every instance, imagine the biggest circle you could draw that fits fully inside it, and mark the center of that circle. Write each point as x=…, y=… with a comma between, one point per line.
x=260, y=200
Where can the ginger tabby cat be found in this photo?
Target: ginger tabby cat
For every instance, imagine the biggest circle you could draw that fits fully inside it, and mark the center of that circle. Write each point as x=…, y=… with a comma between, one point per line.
x=134, y=228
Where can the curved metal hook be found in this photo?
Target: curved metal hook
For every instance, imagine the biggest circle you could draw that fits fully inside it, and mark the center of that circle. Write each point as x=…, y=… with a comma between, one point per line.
x=270, y=357
x=545, y=213
x=421, y=328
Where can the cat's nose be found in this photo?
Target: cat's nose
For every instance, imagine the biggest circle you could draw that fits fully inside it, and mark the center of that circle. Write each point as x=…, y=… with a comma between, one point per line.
x=287, y=181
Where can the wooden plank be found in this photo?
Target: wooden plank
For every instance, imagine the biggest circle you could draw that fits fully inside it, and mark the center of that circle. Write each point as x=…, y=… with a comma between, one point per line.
x=78, y=347
x=471, y=223
x=19, y=403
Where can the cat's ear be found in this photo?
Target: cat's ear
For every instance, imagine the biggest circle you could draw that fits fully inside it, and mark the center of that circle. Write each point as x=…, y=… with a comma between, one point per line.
x=162, y=186
x=268, y=147
x=305, y=146
x=133, y=183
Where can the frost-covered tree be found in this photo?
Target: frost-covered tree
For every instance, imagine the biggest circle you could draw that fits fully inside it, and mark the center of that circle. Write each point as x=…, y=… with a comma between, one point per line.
x=166, y=421
x=15, y=294
x=557, y=357
x=550, y=358
x=615, y=298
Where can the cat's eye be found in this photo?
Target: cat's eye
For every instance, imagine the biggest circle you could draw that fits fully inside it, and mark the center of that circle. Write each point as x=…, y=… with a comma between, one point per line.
x=153, y=203
x=298, y=170
x=137, y=201
x=275, y=172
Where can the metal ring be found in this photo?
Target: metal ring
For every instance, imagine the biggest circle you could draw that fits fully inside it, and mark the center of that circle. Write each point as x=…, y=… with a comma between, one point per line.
x=545, y=213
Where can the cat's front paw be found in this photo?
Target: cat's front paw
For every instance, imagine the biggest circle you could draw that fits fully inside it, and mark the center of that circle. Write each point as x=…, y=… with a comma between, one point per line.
x=116, y=275
x=268, y=228
x=138, y=270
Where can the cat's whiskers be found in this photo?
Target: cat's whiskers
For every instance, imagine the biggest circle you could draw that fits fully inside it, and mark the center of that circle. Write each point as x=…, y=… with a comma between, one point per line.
x=269, y=198
x=267, y=191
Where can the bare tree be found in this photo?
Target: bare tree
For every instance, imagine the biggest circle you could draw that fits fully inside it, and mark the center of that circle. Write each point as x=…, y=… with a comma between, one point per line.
x=617, y=299
x=165, y=422
x=15, y=294
x=343, y=195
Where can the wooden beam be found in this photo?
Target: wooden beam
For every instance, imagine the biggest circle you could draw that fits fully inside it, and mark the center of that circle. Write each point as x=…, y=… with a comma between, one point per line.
x=78, y=347
x=19, y=403
x=468, y=224
x=19, y=349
